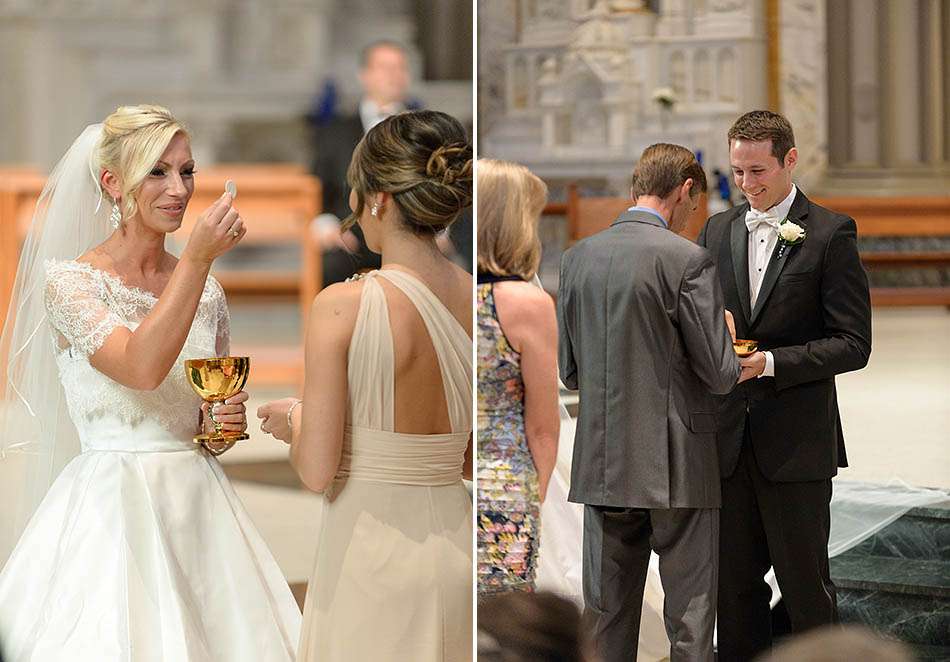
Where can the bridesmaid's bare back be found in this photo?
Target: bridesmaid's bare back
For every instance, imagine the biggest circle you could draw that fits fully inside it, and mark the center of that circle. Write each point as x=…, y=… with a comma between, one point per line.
x=419, y=401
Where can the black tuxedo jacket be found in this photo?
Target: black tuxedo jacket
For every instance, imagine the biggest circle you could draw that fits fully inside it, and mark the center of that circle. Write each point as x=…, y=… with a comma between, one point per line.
x=813, y=313
x=333, y=145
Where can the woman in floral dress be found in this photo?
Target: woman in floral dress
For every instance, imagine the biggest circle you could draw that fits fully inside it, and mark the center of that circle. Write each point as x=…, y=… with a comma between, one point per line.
x=517, y=378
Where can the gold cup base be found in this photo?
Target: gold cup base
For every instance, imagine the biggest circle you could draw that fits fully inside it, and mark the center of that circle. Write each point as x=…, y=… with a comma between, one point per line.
x=216, y=444
x=744, y=348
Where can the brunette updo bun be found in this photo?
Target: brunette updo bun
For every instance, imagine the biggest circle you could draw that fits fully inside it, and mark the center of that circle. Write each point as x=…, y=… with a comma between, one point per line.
x=424, y=160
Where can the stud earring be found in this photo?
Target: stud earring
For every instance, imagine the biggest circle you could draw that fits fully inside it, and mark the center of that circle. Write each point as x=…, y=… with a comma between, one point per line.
x=116, y=215
x=375, y=210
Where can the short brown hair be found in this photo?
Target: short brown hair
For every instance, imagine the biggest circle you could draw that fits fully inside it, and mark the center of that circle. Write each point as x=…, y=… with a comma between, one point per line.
x=510, y=201
x=367, y=53
x=424, y=159
x=762, y=125
x=662, y=167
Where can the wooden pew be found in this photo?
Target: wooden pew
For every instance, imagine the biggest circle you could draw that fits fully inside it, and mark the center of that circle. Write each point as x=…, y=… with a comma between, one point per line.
x=875, y=217
x=277, y=203
x=587, y=215
x=917, y=216
x=20, y=187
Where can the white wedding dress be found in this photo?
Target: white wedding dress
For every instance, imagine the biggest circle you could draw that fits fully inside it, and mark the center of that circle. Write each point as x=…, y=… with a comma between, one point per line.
x=141, y=551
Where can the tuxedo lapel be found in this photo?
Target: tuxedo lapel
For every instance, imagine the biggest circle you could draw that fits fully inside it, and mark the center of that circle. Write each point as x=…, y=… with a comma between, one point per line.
x=797, y=212
x=739, y=245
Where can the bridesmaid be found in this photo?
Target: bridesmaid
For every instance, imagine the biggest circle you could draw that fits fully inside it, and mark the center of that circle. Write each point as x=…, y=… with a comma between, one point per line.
x=384, y=430
x=518, y=418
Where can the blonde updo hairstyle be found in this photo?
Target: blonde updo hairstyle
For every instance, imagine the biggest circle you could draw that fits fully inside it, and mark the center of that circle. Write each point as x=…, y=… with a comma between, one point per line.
x=424, y=160
x=133, y=140
x=510, y=201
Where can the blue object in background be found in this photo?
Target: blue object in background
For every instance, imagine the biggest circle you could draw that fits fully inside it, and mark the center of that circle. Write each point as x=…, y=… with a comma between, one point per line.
x=722, y=184
x=323, y=106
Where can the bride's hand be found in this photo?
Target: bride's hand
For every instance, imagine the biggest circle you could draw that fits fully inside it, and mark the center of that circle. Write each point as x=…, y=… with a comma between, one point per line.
x=232, y=413
x=275, y=418
x=218, y=230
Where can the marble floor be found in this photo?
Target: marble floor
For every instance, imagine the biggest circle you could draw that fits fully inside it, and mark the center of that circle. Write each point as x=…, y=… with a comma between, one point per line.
x=895, y=413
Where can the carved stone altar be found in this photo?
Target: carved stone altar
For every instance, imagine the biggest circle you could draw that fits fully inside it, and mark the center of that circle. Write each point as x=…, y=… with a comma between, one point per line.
x=580, y=77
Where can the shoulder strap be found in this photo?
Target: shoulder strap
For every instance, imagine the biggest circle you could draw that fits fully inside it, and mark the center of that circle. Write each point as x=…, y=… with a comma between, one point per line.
x=370, y=362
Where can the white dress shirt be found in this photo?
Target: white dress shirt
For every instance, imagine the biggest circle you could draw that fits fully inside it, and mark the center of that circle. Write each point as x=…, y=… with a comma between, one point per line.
x=372, y=114
x=763, y=235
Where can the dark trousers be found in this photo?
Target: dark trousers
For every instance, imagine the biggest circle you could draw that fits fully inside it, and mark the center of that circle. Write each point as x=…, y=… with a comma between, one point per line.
x=765, y=524
x=617, y=545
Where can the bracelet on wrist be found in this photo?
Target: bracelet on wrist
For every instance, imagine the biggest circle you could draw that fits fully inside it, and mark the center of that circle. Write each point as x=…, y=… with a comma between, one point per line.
x=290, y=416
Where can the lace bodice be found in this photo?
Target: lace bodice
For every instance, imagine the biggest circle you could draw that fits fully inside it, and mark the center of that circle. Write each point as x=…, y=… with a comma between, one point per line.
x=84, y=306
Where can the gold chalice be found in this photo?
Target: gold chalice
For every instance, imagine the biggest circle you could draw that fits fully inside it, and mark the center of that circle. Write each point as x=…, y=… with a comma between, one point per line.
x=744, y=348
x=215, y=380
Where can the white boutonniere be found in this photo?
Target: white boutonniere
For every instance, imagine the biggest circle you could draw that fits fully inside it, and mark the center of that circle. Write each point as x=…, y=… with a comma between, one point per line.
x=789, y=234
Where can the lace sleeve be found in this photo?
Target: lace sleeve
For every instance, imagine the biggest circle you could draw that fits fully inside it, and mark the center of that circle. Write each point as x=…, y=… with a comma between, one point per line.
x=222, y=336
x=77, y=308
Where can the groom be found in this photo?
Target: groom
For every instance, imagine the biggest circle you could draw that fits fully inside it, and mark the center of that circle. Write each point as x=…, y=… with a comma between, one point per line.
x=643, y=337
x=791, y=275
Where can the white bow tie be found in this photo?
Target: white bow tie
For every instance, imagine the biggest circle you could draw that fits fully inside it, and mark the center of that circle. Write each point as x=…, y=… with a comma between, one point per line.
x=753, y=219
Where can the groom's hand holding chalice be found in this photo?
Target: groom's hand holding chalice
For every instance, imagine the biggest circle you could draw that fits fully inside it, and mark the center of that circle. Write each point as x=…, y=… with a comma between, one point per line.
x=746, y=350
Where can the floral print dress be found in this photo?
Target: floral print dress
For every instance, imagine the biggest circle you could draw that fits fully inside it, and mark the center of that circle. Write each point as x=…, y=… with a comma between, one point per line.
x=508, y=499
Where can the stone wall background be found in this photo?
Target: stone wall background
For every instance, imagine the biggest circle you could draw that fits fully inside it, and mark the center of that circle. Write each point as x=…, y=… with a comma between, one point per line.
x=240, y=73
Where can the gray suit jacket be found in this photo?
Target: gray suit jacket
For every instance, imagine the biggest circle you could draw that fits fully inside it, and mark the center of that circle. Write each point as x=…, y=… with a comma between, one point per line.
x=642, y=336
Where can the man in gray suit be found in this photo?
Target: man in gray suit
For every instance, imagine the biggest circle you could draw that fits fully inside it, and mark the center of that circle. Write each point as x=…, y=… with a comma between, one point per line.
x=643, y=336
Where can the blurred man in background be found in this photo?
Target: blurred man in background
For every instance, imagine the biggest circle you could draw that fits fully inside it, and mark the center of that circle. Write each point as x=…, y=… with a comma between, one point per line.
x=385, y=79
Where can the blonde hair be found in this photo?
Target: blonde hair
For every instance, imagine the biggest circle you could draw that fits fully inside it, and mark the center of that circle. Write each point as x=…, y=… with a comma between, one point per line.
x=424, y=159
x=510, y=201
x=133, y=140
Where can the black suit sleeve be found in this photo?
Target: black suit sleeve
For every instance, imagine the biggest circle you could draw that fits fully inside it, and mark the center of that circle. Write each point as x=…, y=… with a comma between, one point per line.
x=567, y=366
x=702, y=325
x=701, y=239
x=332, y=147
x=846, y=314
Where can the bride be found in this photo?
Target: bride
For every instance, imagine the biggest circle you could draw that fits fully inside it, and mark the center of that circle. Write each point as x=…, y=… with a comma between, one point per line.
x=132, y=544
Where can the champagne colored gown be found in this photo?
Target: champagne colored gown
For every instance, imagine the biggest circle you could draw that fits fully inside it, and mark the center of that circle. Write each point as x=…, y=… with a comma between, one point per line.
x=393, y=573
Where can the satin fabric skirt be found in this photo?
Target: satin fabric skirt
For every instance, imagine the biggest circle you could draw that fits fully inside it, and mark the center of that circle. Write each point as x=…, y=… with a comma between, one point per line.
x=142, y=557
x=392, y=578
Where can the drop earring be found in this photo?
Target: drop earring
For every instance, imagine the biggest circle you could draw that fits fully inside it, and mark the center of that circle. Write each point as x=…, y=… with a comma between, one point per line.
x=116, y=215
x=374, y=211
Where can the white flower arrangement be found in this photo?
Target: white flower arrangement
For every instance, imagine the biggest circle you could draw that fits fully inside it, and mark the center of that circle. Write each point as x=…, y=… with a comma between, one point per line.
x=665, y=96
x=789, y=234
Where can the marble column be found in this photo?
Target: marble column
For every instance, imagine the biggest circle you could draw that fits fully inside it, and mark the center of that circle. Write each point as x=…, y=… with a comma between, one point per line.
x=863, y=116
x=902, y=92
x=804, y=84
x=935, y=68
